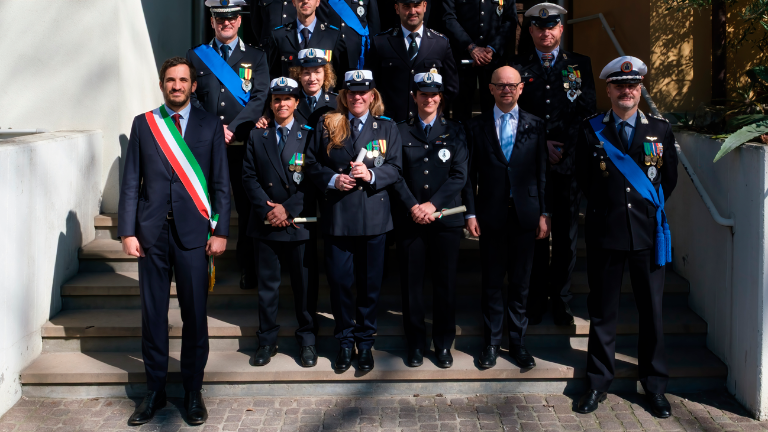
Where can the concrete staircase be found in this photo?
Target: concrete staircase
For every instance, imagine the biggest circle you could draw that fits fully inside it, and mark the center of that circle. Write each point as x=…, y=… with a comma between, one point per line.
x=93, y=346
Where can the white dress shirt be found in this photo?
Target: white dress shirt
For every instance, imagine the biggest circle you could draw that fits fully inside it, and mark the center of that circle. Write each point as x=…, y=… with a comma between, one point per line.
x=184, y=116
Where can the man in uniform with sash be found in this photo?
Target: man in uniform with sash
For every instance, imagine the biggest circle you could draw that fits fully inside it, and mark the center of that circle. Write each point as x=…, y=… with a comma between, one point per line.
x=560, y=90
x=359, y=21
x=626, y=165
x=174, y=217
x=232, y=81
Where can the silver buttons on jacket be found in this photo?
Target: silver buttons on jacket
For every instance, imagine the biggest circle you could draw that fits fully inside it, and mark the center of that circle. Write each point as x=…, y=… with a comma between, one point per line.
x=627, y=190
x=629, y=205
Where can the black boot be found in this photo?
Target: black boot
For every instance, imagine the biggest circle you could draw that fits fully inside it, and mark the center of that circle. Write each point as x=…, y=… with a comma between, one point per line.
x=152, y=403
x=196, y=412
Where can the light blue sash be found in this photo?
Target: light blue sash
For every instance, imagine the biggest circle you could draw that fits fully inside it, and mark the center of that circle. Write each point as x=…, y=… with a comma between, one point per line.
x=349, y=17
x=223, y=72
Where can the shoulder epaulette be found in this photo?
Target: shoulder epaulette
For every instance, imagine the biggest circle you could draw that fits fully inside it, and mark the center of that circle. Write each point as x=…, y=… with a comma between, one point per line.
x=400, y=122
x=383, y=118
x=333, y=93
x=659, y=117
x=279, y=27
x=439, y=34
x=307, y=127
x=384, y=32
x=593, y=116
x=333, y=27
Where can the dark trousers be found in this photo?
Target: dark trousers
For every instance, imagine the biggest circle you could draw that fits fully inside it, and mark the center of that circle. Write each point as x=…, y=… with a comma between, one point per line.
x=553, y=280
x=506, y=251
x=468, y=83
x=301, y=263
x=437, y=248
x=245, y=251
x=605, y=269
x=166, y=258
x=359, y=262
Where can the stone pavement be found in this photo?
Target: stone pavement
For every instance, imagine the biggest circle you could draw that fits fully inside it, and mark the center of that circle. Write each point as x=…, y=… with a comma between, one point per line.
x=708, y=411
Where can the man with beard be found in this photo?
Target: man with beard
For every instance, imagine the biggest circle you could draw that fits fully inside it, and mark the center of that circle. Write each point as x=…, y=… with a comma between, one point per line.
x=176, y=160
x=626, y=165
x=232, y=81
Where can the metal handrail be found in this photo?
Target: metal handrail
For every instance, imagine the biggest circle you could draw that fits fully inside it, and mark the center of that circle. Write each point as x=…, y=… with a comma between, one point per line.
x=728, y=222
x=21, y=131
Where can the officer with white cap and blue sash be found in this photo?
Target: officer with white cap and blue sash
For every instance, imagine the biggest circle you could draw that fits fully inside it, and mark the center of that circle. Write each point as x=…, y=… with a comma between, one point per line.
x=626, y=165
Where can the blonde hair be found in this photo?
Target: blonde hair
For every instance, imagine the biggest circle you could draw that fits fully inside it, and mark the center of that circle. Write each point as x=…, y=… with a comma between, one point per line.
x=329, y=80
x=336, y=122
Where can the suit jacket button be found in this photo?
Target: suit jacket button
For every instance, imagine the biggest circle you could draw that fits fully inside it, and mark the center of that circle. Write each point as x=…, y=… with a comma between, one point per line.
x=340, y=169
x=481, y=36
x=426, y=186
x=482, y=13
x=547, y=116
x=481, y=24
x=222, y=90
x=629, y=205
x=426, y=159
x=221, y=117
x=547, y=100
x=222, y=104
x=509, y=169
x=426, y=172
x=287, y=187
x=359, y=188
x=411, y=71
x=270, y=185
x=283, y=15
x=627, y=190
x=426, y=146
x=547, y=87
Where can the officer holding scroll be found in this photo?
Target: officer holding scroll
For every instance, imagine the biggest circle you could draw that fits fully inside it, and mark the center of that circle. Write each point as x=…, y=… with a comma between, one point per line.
x=626, y=165
x=232, y=83
x=434, y=173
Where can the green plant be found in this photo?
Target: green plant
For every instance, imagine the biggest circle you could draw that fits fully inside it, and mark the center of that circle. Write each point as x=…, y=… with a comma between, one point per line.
x=741, y=136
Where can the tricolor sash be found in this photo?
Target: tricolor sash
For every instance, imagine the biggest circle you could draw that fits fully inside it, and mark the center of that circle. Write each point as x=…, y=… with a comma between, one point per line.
x=186, y=167
x=226, y=75
x=638, y=179
x=349, y=17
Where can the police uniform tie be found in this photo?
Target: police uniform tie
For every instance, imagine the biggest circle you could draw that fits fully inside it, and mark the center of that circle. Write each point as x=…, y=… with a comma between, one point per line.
x=505, y=135
x=356, y=122
x=546, y=61
x=305, y=38
x=413, y=47
x=623, y=134
x=311, y=101
x=427, y=129
x=283, y=139
x=225, y=51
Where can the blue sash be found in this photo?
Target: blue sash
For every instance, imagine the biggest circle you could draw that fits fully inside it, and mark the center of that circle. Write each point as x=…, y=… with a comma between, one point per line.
x=349, y=17
x=223, y=72
x=640, y=182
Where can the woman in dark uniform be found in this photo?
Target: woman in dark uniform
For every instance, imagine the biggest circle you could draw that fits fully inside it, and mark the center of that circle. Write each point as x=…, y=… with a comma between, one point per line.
x=355, y=209
x=434, y=173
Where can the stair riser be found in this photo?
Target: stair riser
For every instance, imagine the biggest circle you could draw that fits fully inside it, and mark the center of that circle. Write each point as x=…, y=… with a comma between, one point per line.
x=573, y=386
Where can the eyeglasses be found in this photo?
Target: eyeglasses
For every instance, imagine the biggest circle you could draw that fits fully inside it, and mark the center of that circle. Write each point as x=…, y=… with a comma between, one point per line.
x=502, y=86
x=222, y=20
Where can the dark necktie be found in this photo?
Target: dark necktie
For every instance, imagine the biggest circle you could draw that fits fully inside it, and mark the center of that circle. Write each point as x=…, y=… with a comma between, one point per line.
x=305, y=38
x=355, y=128
x=225, y=52
x=311, y=101
x=283, y=139
x=624, y=134
x=413, y=47
x=427, y=129
x=177, y=121
x=547, y=60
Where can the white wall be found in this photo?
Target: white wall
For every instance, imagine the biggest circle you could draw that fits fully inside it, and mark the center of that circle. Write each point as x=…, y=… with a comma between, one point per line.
x=77, y=64
x=50, y=186
x=727, y=273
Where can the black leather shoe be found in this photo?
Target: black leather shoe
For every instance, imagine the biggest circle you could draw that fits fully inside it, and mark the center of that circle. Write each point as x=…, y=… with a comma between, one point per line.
x=152, y=403
x=248, y=281
x=562, y=314
x=415, y=358
x=588, y=403
x=488, y=357
x=522, y=357
x=196, y=412
x=264, y=355
x=365, y=360
x=659, y=405
x=444, y=358
x=308, y=356
x=343, y=359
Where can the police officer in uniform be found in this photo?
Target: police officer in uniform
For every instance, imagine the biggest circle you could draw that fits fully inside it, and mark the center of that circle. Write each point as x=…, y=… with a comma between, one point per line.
x=358, y=21
x=273, y=177
x=268, y=14
x=232, y=82
x=306, y=31
x=399, y=53
x=435, y=160
x=355, y=209
x=626, y=165
x=560, y=90
x=481, y=31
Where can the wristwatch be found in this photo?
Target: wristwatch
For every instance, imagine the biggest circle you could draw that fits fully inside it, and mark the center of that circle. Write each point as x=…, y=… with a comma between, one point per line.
x=472, y=47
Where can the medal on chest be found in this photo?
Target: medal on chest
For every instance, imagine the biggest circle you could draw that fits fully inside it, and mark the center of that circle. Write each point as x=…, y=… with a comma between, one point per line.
x=360, y=11
x=296, y=165
x=653, y=152
x=376, y=150
x=572, y=82
x=246, y=73
x=444, y=155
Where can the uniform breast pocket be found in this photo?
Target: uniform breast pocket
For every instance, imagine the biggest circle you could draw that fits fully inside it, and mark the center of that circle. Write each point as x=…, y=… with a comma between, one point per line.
x=200, y=143
x=266, y=2
x=389, y=63
x=414, y=155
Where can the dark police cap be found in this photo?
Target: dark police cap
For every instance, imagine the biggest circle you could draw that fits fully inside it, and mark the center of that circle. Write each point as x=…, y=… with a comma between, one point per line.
x=546, y=15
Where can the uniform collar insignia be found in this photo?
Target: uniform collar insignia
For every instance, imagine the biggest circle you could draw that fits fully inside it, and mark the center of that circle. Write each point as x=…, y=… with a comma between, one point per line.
x=394, y=33
x=298, y=135
x=242, y=45
x=442, y=120
x=266, y=132
x=565, y=56
x=531, y=57
x=643, y=120
x=327, y=98
x=607, y=116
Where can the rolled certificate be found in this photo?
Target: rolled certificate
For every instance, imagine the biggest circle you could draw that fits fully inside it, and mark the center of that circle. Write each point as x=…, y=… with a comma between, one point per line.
x=448, y=212
x=467, y=62
x=361, y=155
x=296, y=220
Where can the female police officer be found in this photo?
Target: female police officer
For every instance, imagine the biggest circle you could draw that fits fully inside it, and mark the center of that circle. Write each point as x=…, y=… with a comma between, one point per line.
x=434, y=173
x=355, y=210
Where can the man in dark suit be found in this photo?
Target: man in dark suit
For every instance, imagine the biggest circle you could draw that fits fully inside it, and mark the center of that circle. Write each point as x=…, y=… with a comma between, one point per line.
x=401, y=52
x=266, y=15
x=358, y=21
x=273, y=177
x=560, y=90
x=232, y=80
x=172, y=227
x=507, y=179
x=626, y=165
x=481, y=31
x=306, y=31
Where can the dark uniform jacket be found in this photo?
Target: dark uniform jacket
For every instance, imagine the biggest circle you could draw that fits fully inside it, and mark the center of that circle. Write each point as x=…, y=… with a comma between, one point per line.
x=325, y=103
x=493, y=178
x=393, y=71
x=618, y=217
x=545, y=96
x=427, y=177
x=365, y=209
x=151, y=189
x=477, y=21
x=283, y=46
x=352, y=39
x=213, y=97
x=268, y=14
x=266, y=177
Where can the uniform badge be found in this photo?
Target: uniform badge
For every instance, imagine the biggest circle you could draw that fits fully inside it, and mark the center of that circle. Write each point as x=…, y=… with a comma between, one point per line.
x=652, y=172
x=379, y=161
x=298, y=135
x=322, y=26
x=626, y=67
x=360, y=11
x=500, y=9
x=246, y=73
x=358, y=75
x=298, y=177
x=572, y=95
x=444, y=154
x=543, y=13
x=433, y=71
x=266, y=133
x=571, y=82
